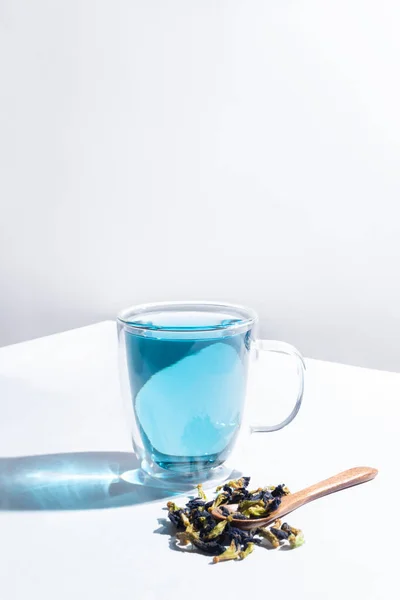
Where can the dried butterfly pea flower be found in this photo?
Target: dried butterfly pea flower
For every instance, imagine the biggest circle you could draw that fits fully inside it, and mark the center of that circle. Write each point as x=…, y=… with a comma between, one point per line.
x=195, y=503
x=248, y=550
x=246, y=504
x=296, y=536
x=196, y=525
x=183, y=538
x=213, y=548
x=202, y=494
x=231, y=553
x=260, y=507
x=216, y=531
x=252, y=492
x=203, y=525
x=225, y=512
x=266, y=495
x=239, y=495
x=243, y=482
x=267, y=534
x=281, y=535
x=255, y=495
x=177, y=516
x=203, y=521
x=226, y=488
x=280, y=490
x=273, y=505
x=222, y=498
x=256, y=512
x=290, y=529
x=296, y=540
x=188, y=536
x=184, y=518
x=175, y=519
x=240, y=536
x=236, y=515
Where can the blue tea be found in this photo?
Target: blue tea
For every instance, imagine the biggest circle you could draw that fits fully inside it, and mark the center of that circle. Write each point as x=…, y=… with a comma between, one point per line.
x=187, y=374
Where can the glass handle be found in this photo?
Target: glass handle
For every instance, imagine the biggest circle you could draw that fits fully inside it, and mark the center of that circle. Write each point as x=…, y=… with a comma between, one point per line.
x=283, y=348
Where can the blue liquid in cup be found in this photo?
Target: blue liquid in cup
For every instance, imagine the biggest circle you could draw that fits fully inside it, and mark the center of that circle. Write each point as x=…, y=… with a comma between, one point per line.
x=188, y=388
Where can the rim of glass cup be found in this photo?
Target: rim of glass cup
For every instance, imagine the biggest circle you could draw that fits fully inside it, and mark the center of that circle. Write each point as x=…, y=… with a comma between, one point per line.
x=126, y=316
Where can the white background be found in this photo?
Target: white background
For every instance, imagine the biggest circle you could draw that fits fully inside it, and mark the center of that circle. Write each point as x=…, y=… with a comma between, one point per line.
x=242, y=151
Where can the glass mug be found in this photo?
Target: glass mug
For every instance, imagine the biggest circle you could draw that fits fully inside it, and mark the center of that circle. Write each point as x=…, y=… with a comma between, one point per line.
x=184, y=368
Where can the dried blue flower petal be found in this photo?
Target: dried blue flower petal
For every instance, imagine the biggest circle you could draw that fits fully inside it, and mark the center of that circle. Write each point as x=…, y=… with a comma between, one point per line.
x=195, y=503
x=213, y=548
x=227, y=489
x=203, y=520
x=177, y=516
x=225, y=512
x=239, y=495
x=274, y=504
x=242, y=482
x=279, y=533
x=240, y=536
x=266, y=495
x=280, y=490
x=256, y=495
x=175, y=519
x=290, y=529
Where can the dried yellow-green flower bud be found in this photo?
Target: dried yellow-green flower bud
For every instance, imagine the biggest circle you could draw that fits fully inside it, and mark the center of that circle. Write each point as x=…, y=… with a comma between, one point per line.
x=290, y=529
x=187, y=536
x=216, y=531
x=273, y=540
x=230, y=553
x=183, y=538
x=296, y=540
x=235, y=484
x=255, y=491
x=255, y=512
x=201, y=491
x=220, y=499
x=246, y=504
x=249, y=549
x=277, y=524
x=185, y=519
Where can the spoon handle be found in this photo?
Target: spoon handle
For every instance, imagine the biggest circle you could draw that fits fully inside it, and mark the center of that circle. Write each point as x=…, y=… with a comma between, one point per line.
x=336, y=483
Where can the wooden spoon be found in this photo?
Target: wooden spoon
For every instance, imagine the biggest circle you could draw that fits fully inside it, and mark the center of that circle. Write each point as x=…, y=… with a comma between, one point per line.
x=292, y=501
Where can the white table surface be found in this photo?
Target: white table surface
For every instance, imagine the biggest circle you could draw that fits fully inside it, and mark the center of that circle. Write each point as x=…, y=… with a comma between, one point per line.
x=59, y=395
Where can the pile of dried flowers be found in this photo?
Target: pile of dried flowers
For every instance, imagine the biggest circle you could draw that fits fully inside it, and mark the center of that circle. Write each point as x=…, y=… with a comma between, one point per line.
x=196, y=525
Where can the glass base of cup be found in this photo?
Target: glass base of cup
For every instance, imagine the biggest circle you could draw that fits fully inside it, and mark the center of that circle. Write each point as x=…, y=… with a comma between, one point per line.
x=154, y=476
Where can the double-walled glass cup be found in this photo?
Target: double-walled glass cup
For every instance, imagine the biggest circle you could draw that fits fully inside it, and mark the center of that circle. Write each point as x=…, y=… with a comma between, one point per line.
x=184, y=369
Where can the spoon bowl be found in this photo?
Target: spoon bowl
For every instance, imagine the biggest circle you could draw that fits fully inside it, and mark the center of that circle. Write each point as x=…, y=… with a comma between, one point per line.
x=290, y=502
